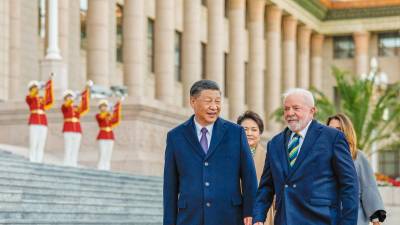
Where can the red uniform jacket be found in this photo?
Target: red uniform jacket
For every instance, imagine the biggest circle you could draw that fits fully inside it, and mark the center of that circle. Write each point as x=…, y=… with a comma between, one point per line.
x=73, y=113
x=38, y=105
x=107, y=122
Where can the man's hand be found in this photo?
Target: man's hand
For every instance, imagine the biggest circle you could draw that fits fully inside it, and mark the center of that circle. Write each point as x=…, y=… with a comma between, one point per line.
x=376, y=223
x=259, y=223
x=248, y=221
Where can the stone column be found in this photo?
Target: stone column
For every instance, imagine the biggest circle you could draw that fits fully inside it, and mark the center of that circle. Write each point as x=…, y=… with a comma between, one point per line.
x=255, y=87
x=98, y=42
x=164, y=50
x=16, y=89
x=317, y=42
x=113, y=77
x=69, y=41
x=215, y=42
x=53, y=51
x=191, y=51
x=272, y=85
x=53, y=62
x=303, y=58
x=361, y=59
x=236, y=68
x=134, y=47
x=289, y=52
x=5, y=50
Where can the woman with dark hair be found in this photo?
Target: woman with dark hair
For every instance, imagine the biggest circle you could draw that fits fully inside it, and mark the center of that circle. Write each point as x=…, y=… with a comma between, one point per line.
x=371, y=207
x=254, y=127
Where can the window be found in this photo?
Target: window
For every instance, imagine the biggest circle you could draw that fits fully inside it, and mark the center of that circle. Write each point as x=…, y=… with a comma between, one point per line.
x=42, y=19
x=178, y=56
x=83, y=16
x=150, y=45
x=203, y=60
x=119, y=16
x=226, y=8
x=343, y=47
x=389, y=162
x=226, y=74
x=389, y=44
x=247, y=15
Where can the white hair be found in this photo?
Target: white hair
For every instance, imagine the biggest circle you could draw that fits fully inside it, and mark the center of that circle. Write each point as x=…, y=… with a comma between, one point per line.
x=308, y=96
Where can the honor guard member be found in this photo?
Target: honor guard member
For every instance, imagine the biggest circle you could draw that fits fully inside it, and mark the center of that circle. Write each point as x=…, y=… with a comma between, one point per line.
x=107, y=121
x=72, y=127
x=37, y=119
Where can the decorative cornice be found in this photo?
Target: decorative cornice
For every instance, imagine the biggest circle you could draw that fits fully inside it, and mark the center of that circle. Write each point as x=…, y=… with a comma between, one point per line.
x=323, y=13
x=339, y=14
x=314, y=7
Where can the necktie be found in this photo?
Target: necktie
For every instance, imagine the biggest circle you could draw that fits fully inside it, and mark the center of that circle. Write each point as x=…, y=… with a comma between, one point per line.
x=293, y=148
x=203, y=139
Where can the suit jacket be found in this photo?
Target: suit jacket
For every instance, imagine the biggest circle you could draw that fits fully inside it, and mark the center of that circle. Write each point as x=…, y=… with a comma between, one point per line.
x=370, y=198
x=204, y=188
x=259, y=160
x=320, y=189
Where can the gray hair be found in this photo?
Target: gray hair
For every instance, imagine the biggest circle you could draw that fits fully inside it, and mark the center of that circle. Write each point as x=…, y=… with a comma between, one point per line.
x=202, y=85
x=308, y=96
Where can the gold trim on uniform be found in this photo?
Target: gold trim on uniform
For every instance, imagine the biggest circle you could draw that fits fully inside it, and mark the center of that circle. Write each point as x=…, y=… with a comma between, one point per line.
x=107, y=129
x=72, y=120
x=38, y=111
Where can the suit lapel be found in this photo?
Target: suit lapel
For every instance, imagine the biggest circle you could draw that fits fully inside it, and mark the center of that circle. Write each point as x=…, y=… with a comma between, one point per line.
x=312, y=135
x=285, y=158
x=217, y=135
x=191, y=137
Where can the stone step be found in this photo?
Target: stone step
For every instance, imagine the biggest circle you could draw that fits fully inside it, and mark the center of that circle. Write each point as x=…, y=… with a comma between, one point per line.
x=32, y=193
x=17, y=197
x=80, y=222
x=78, y=172
x=18, y=181
x=7, y=154
x=60, y=215
x=12, y=173
x=16, y=184
x=142, y=199
x=77, y=193
x=68, y=207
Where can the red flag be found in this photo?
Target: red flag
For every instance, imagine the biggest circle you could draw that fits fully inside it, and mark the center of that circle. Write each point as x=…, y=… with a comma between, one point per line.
x=85, y=102
x=48, y=95
x=116, y=119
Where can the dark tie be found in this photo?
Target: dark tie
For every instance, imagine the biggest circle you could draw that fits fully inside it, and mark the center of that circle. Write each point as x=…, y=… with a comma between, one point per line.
x=293, y=148
x=203, y=139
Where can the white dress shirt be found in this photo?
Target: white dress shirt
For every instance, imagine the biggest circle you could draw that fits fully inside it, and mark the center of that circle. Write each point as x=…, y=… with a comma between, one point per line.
x=209, y=131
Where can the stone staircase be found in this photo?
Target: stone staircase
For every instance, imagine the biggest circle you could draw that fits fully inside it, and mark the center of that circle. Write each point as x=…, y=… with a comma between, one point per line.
x=32, y=193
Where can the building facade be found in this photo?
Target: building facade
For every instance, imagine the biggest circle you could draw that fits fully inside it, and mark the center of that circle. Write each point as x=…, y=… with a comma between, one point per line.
x=254, y=49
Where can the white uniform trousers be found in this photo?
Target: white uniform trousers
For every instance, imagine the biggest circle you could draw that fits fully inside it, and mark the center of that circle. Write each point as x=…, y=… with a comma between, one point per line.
x=72, y=143
x=106, y=147
x=37, y=142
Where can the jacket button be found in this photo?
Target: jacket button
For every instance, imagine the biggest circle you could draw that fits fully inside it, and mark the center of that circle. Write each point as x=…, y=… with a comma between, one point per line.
x=208, y=204
x=207, y=184
x=206, y=164
x=294, y=185
x=286, y=186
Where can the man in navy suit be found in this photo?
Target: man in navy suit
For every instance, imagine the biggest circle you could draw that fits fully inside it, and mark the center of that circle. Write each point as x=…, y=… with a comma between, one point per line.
x=309, y=169
x=209, y=174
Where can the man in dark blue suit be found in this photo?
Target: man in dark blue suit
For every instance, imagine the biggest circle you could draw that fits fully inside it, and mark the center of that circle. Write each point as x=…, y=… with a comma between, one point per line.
x=309, y=169
x=209, y=174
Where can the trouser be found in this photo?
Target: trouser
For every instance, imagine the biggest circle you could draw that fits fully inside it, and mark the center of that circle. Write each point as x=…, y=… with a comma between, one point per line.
x=37, y=142
x=106, y=147
x=72, y=143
